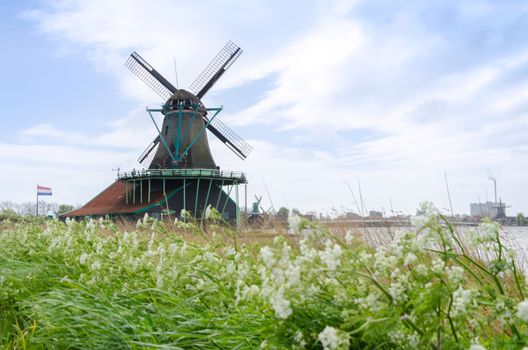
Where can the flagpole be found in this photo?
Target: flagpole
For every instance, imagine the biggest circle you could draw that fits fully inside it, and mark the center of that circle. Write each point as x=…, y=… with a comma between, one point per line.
x=37, y=199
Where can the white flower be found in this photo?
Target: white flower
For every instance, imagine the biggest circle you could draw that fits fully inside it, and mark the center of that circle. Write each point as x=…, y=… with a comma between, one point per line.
x=173, y=248
x=487, y=232
x=159, y=282
x=333, y=339
x=230, y=251
x=504, y=313
x=331, y=255
x=90, y=225
x=364, y=257
x=209, y=257
x=292, y=274
x=397, y=292
x=522, y=310
x=421, y=270
x=413, y=340
x=249, y=292
x=185, y=214
x=476, y=347
x=384, y=261
x=461, y=300
x=409, y=259
x=96, y=265
x=455, y=274
x=82, y=258
x=427, y=213
x=299, y=339
x=280, y=304
x=267, y=255
x=438, y=266
x=419, y=221
x=211, y=213
x=397, y=337
x=133, y=263
x=349, y=237
x=294, y=223
x=371, y=302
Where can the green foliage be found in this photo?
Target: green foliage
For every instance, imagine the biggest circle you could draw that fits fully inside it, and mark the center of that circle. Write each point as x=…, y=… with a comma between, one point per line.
x=8, y=214
x=64, y=208
x=89, y=285
x=520, y=219
x=282, y=214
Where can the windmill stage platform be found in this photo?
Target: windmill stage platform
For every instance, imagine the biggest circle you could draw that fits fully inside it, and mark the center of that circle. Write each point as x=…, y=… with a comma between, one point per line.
x=152, y=191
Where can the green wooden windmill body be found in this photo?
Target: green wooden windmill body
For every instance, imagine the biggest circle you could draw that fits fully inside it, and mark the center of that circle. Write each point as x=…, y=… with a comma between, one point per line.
x=179, y=158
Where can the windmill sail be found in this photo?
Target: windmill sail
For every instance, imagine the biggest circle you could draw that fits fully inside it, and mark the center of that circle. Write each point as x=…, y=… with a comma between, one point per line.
x=210, y=75
x=148, y=154
x=234, y=142
x=150, y=76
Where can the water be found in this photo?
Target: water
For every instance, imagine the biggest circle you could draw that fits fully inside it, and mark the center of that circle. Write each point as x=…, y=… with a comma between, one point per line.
x=518, y=235
x=513, y=236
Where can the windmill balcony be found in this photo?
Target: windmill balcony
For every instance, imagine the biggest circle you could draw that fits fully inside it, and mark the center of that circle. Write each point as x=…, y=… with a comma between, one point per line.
x=236, y=177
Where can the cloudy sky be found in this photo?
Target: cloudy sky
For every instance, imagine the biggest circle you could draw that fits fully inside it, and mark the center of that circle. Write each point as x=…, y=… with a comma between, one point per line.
x=391, y=93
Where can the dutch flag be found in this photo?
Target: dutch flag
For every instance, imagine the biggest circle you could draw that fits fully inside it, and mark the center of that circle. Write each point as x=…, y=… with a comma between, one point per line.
x=43, y=191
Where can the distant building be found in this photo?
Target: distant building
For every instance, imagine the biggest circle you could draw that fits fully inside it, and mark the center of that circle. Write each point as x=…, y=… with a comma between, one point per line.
x=375, y=214
x=352, y=216
x=489, y=209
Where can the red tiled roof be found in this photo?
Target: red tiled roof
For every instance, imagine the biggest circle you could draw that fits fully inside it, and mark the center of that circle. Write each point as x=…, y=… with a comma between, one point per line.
x=112, y=201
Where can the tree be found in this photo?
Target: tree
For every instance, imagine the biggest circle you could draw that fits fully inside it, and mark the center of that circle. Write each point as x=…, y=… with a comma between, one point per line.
x=8, y=205
x=282, y=214
x=7, y=214
x=521, y=220
x=64, y=208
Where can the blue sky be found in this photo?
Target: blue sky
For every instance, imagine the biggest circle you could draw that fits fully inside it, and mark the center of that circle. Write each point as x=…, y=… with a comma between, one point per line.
x=327, y=91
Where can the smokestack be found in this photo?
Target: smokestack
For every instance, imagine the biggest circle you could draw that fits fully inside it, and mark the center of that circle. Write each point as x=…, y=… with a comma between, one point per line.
x=494, y=186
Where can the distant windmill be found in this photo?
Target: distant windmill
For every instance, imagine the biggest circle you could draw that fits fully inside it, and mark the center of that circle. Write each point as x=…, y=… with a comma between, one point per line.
x=180, y=170
x=257, y=214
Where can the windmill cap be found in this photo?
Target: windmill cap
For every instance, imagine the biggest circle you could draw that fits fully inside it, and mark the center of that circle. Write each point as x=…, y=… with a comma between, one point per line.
x=182, y=94
x=189, y=98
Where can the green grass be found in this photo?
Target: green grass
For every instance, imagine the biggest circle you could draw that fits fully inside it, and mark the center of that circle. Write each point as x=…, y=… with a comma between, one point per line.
x=90, y=285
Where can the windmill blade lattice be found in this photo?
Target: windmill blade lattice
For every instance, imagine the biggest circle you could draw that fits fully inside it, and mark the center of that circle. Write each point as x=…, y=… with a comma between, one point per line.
x=148, y=154
x=237, y=144
x=150, y=76
x=223, y=60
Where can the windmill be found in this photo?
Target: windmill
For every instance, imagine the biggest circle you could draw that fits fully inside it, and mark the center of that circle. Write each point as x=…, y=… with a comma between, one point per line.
x=256, y=207
x=258, y=214
x=179, y=170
